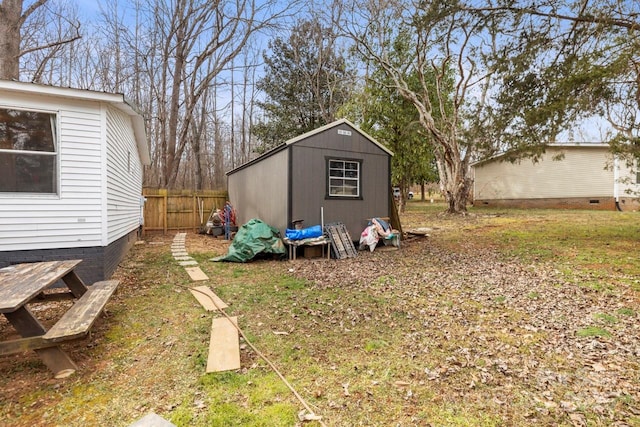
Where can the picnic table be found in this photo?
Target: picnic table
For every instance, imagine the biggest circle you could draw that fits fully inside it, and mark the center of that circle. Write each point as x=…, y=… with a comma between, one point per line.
x=22, y=285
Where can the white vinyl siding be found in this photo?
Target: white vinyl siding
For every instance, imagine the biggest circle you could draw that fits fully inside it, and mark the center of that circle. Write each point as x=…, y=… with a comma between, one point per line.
x=124, y=176
x=584, y=172
x=71, y=218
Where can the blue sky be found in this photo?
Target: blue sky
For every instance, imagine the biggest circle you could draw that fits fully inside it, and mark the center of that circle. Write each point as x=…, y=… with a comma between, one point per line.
x=90, y=8
x=592, y=129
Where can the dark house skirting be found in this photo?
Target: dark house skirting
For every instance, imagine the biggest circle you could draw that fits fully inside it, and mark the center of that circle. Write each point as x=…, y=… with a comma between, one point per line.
x=98, y=263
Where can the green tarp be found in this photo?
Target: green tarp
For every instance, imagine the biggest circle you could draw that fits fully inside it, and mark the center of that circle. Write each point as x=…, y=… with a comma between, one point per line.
x=253, y=238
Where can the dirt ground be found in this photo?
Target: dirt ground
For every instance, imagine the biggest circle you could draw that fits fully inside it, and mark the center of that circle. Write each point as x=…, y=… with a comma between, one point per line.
x=20, y=382
x=528, y=322
x=541, y=316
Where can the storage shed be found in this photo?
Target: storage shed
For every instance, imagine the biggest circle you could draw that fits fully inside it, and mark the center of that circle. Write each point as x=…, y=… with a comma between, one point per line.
x=71, y=168
x=336, y=171
x=577, y=176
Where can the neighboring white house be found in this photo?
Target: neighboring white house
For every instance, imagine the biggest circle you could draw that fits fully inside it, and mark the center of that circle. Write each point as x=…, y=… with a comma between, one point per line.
x=71, y=169
x=566, y=176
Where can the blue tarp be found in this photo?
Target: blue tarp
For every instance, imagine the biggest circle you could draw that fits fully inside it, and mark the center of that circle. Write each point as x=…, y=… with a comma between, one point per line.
x=305, y=233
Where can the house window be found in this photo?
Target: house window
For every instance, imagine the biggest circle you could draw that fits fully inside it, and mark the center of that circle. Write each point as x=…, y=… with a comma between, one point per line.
x=344, y=178
x=28, y=158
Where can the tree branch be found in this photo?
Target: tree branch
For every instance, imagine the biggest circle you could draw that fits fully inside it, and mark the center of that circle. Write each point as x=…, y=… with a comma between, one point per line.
x=30, y=10
x=615, y=22
x=53, y=44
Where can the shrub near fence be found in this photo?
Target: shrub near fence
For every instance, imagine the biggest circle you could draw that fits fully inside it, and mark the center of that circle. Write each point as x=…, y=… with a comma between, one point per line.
x=166, y=210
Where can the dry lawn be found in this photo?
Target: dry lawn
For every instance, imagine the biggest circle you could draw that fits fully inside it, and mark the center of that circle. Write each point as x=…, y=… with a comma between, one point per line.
x=496, y=319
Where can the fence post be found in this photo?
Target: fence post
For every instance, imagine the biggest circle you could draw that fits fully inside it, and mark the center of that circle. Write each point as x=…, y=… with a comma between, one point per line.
x=165, y=207
x=194, y=217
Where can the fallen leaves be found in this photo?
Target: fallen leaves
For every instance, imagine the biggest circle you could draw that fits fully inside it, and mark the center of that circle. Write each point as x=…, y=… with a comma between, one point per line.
x=345, y=389
x=486, y=321
x=385, y=338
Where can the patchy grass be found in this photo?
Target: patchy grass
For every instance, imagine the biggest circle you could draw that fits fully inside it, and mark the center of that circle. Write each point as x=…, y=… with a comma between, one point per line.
x=598, y=242
x=625, y=311
x=502, y=317
x=606, y=318
x=593, y=331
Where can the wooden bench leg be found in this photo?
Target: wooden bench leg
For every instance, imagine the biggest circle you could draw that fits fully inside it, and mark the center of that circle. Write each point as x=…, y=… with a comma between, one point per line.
x=57, y=361
x=75, y=284
x=53, y=357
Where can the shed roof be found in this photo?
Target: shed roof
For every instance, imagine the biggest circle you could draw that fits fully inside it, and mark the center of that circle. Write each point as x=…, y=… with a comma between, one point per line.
x=306, y=135
x=117, y=100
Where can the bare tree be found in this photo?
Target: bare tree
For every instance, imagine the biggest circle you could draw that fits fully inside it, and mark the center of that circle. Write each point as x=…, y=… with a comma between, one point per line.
x=249, y=94
x=11, y=20
x=170, y=57
x=19, y=38
x=243, y=94
x=197, y=39
x=447, y=44
x=218, y=149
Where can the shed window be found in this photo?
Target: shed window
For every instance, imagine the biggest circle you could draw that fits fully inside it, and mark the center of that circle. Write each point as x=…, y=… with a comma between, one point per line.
x=28, y=157
x=344, y=178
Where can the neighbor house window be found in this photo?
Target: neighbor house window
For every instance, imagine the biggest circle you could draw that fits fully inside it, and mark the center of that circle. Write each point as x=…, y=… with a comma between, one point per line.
x=28, y=157
x=344, y=178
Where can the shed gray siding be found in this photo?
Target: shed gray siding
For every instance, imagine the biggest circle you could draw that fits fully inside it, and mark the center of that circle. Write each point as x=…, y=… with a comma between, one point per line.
x=260, y=191
x=309, y=179
x=291, y=181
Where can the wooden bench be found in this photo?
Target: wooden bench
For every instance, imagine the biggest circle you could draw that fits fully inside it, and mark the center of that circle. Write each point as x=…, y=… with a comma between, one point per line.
x=29, y=280
x=24, y=284
x=77, y=321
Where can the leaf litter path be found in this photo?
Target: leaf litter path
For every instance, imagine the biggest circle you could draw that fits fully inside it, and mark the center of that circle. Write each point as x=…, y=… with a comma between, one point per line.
x=506, y=325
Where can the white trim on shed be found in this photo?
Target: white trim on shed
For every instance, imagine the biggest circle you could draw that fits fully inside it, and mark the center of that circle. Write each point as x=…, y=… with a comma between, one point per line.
x=336, y=124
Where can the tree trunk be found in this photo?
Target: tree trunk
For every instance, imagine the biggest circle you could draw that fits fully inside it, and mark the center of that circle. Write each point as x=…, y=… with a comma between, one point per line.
x=218, y=157
x=456, y=185
x=172, y=161
x=198, y=132
x=10, y=23
x=218, y=152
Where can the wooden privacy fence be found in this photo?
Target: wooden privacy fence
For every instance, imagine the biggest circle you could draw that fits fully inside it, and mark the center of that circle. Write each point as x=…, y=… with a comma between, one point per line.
x=180, y=210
